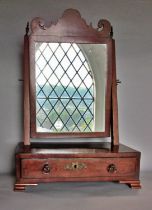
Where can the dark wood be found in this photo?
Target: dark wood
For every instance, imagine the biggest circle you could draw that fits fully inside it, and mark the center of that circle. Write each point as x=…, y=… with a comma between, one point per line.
x=69, y=25
x=71, y=163
x=132, y=184
x=26, y=90
x=57, y=162
x=114, y=120
x=89, y=167
x=21, y=187
x=70, y=28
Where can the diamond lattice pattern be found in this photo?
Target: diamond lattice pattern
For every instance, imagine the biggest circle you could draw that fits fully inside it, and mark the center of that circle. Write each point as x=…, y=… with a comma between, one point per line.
x=64, y=89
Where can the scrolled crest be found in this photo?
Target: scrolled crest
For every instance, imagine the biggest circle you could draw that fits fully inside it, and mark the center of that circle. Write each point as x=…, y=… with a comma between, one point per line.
x=71, y=23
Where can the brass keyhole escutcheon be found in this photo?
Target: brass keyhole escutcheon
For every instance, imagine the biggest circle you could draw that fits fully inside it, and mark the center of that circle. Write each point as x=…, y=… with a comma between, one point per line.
x=75, y=166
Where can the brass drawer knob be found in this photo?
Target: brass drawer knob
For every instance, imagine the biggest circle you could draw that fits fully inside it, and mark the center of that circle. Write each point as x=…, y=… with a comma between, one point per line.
x=111, y=168
x=75, y=166
x=46, y=169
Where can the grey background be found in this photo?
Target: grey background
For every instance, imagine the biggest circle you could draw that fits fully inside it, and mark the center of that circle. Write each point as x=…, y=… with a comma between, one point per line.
x=77, y=196
x=131, y=20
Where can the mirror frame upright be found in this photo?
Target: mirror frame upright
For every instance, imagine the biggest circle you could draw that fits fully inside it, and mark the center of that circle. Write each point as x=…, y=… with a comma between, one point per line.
x=70, y=28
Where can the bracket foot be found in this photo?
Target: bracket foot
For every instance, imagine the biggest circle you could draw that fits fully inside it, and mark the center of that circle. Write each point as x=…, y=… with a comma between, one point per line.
x=134, y=184
x=22, y=187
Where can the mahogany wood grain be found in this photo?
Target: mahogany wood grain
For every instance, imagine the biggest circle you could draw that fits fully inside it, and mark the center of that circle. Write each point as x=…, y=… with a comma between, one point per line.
x=71, y=23
x=26, y=91
x=134, y=184
x=96, y=160
x=21, y=187
x=91, y=167
x=114, y=121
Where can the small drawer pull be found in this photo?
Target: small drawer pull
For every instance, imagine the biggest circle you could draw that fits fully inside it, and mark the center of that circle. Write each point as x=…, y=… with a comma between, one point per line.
x=75, y=166
x=46, y=169
x=111, y=168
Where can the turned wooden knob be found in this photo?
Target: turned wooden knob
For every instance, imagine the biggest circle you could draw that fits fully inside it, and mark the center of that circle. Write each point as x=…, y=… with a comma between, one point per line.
x=111, y=168
x=46, y=169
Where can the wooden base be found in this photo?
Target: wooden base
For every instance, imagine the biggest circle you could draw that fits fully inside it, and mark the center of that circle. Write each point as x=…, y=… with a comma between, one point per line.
x=134, y=184
x=64, y=163
x=22, y=187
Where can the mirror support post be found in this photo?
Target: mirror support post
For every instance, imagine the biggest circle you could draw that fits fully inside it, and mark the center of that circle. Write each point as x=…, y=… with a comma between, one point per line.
x=114, y=118
x=26, y=90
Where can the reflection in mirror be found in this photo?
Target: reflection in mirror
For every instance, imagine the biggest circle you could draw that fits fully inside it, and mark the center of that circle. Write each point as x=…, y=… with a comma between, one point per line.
x=70, y=87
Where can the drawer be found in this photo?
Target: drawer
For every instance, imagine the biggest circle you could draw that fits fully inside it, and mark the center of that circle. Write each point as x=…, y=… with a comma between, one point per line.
x=77, y=167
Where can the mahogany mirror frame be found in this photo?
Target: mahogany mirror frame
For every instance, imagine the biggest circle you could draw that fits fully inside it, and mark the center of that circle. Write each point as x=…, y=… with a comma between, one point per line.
x=70, y=28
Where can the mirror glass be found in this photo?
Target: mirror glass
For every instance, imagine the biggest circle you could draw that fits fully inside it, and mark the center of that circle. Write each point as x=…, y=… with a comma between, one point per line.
x=70, y=81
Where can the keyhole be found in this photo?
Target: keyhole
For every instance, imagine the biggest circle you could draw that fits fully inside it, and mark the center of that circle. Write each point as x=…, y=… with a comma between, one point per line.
x=75, y=166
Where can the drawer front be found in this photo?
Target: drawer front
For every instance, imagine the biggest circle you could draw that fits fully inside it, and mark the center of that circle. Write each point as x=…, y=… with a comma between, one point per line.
x=78, y=167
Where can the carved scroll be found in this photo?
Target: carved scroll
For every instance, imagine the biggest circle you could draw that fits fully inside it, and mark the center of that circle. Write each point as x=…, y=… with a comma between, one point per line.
x=70, y=24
